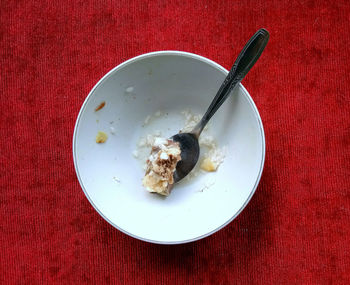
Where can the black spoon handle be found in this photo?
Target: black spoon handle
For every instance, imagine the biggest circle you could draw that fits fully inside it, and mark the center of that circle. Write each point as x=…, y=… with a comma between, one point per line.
x=244, y=62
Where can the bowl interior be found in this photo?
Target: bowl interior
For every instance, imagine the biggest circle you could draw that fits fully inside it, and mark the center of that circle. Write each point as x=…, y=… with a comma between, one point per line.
x=111, y=177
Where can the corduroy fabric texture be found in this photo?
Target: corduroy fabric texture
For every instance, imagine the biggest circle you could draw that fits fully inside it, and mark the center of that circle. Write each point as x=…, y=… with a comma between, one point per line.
x=296, y=228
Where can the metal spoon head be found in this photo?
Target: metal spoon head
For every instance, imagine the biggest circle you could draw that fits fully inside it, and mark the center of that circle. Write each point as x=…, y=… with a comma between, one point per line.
x=189, y=154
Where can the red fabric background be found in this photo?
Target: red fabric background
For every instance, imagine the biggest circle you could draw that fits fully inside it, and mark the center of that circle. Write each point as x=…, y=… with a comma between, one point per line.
x=295, y=229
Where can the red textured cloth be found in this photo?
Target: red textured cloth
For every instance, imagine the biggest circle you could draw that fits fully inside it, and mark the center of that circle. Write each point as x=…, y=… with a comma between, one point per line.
x=295, y=229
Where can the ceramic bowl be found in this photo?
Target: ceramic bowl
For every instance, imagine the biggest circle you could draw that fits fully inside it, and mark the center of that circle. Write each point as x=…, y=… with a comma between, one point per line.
x=111, y=177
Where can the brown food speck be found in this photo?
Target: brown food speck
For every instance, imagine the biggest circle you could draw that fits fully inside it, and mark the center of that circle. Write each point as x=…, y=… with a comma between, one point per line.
x=99, y=107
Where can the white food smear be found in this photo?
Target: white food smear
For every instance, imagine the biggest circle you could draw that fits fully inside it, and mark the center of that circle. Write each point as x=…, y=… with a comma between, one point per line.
x=211, y=155
x=146, y=121
x=129, y=90
x=191, y=120
x=207, y=186
x=158, y=114
x=149, y=117
x=135, y=153
x=112, y=129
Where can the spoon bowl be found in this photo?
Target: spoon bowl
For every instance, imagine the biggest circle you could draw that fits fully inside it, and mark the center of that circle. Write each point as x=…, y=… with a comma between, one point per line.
x=189, y=154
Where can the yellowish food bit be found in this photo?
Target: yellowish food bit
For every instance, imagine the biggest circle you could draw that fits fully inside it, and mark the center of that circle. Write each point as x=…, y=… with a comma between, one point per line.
x=101, y=137
x=208, y=165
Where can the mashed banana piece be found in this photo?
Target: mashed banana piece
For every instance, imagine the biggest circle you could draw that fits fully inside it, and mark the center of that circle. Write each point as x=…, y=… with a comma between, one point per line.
x=101, y=137
x=208, y=165
x=161, y=165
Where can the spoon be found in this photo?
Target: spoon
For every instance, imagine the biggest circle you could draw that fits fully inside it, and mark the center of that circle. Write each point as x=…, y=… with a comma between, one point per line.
x=189, y=141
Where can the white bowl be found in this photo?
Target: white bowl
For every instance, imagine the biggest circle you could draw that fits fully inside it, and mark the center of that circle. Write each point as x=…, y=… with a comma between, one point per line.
x=110, y=176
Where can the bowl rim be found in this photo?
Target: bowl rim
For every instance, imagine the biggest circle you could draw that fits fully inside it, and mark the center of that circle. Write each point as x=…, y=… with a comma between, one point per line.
x=155, y=54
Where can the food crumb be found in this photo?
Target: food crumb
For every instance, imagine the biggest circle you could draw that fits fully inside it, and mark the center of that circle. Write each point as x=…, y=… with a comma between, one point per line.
x=101, y=137
x=116, y=179
x=142, y=142
x=191, y=121
x=206, y=186
x=99, y=107
x=213, y=159
x=112, y=129
x=148, y=118
x=208, y=165
x=129, y=90
x=135, y=153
